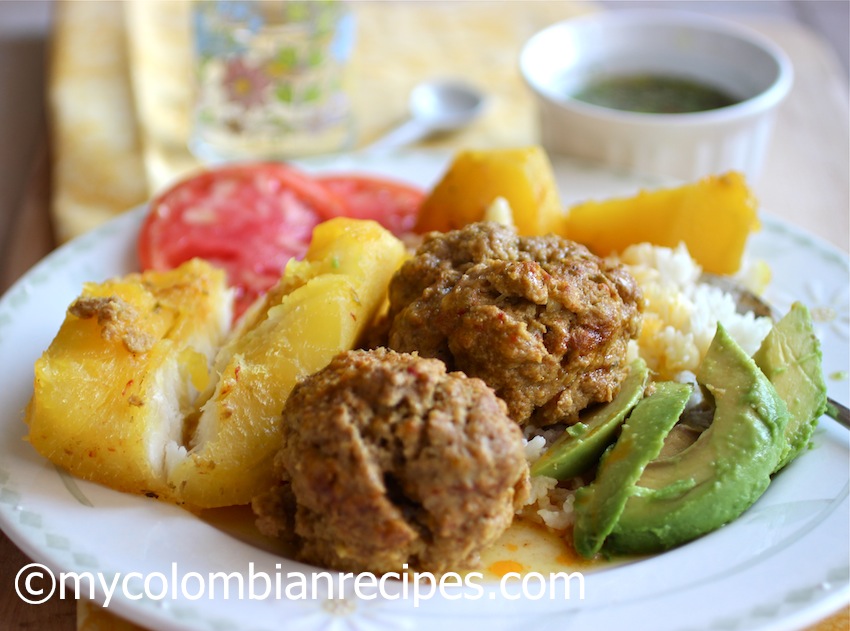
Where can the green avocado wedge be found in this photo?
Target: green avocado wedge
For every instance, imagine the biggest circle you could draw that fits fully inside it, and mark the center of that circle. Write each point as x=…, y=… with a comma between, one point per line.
x=790, y=356
x=719, y=476
x=598, y=506
x=580, y=447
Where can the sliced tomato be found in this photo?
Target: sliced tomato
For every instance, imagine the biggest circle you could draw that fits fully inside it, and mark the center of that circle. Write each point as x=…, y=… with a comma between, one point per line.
x=249, y=219
x=391, y=203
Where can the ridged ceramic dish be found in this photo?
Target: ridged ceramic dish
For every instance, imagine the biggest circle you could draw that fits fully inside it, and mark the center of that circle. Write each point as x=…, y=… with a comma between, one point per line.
x=559, y=60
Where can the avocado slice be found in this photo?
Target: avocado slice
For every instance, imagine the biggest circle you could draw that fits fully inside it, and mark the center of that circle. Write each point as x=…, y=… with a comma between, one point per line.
x=723, y=473
x=580, y=447
x=790, y=356
x=598, y=506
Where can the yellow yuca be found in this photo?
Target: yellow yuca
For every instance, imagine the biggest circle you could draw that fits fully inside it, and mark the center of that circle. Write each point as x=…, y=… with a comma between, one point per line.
x=475, y=178
x=320, y=307
x=713, y=217
x=111, y=391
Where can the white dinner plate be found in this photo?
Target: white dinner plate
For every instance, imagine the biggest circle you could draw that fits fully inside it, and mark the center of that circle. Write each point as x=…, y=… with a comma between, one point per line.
x=782, y=565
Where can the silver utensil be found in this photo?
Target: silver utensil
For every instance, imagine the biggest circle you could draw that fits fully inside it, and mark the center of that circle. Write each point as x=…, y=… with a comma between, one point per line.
x=747, y=301
x=441, y=105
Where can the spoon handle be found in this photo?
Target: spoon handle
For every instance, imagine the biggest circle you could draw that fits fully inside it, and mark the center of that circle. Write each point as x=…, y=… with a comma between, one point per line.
x=405, y=134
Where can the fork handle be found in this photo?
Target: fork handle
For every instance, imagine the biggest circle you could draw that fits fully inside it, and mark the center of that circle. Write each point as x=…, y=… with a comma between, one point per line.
x=839, y=412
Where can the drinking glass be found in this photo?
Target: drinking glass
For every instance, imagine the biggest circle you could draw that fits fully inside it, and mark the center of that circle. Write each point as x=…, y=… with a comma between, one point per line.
x=271, y=78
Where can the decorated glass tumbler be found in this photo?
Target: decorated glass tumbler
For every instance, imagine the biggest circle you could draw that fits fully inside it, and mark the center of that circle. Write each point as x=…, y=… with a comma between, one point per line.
x=271, y=78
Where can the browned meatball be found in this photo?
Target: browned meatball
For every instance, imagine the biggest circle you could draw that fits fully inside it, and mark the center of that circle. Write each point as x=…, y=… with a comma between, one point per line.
x=541, y=320
x=388, y=460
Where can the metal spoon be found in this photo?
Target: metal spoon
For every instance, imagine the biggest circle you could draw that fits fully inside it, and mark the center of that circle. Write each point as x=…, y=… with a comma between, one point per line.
x=441, y=105
x=747, y=301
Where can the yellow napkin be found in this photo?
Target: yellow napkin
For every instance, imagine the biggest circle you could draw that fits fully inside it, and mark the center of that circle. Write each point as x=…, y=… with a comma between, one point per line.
x=97, y=157
x=121, y=87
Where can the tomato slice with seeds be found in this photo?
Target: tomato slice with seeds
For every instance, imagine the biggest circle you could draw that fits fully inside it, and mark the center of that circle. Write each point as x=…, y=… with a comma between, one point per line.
x=391, y=203
x=249, y=219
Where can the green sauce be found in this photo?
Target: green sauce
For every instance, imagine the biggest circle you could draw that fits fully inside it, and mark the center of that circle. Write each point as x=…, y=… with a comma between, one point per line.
x=653, y=94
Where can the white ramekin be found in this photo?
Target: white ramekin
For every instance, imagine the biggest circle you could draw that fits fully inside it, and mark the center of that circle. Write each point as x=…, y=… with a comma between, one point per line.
x=559, y=59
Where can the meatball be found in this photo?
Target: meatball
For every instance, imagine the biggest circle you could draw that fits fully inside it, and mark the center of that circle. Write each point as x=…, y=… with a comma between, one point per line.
x=541, y=320
x=388, y=460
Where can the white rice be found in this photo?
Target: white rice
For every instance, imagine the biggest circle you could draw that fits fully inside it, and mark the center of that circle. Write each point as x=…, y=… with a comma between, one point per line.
x=550, y=503
x=681, y=314
x=534, y=448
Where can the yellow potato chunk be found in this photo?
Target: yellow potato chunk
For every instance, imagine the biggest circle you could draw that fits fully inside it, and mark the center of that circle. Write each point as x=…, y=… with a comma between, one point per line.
x=111, y=391
x=713, y=217
x=140, y=390
x=320, y=307
x=523, y=177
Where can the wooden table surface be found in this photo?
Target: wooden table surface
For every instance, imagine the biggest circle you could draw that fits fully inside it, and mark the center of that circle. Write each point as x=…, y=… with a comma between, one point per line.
x=805, y=182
